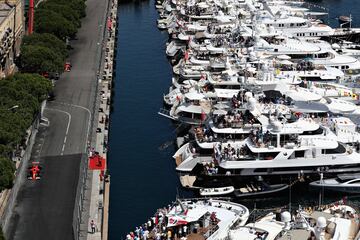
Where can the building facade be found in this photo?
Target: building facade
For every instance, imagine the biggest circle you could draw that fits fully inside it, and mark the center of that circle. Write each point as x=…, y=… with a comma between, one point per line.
x=11, y=32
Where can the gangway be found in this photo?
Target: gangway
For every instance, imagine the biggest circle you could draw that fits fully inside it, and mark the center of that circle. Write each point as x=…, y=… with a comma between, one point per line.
x=165, y=113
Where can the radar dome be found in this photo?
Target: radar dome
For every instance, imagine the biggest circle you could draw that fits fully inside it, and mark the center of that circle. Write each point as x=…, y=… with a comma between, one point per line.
x=251, y=103
x=248, y=95
x=321, y=222
x=335, y=46
x=285, y=217
x=277, y=126
x=252, y=56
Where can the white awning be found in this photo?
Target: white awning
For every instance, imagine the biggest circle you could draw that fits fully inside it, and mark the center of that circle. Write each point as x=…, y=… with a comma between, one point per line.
x=194, y=95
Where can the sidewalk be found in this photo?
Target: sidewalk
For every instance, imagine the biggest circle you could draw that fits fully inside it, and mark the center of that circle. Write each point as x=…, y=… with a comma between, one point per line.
x=99, y=200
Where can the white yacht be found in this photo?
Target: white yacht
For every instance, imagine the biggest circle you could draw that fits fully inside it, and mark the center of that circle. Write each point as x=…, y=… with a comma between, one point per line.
x=345, y=183
x=209, y=219
x=327, y=222
x=280, y=151
x=318, y=52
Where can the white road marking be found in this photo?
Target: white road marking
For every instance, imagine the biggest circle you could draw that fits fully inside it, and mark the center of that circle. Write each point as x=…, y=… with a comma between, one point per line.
x=67, y=128
x=88, y=121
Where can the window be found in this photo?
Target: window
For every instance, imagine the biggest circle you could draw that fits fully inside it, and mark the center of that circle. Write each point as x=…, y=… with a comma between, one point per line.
x=339, y=149
x=299, y=154
x=355, y=182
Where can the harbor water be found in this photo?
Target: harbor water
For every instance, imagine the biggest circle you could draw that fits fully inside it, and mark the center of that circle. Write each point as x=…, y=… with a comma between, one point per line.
x=142, y=142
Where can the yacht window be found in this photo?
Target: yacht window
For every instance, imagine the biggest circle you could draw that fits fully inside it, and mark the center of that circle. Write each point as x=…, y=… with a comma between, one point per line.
x=296, y=169
x=355, y=182
x=315, y=132
x=299, y=154
x=323, y=55
x=267, y=156
x=261, y=170
x=338, y=150
x=340, y=180
x=291, y=24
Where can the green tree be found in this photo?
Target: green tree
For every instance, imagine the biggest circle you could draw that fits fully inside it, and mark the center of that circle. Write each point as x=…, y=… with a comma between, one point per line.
x=33, y=84
x=64, y=10
x=78, y=5
x=48, y=21
x=7, y=170
x=39, y=59
x=46, y=40
x=26, y=91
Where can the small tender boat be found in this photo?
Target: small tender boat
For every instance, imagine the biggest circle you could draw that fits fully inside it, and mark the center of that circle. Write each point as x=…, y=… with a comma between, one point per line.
x=345, y=21
x=251, y=190
x=216, y=191
x=347, y=183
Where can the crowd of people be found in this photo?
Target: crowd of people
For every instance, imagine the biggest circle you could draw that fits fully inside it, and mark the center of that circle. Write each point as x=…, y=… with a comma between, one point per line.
x=156, y=228
x=235, y=118
x=211, y=168
x=204, y=134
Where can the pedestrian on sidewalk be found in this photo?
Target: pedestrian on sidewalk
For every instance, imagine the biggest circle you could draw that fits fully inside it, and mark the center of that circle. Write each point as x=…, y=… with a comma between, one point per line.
x=93, y=227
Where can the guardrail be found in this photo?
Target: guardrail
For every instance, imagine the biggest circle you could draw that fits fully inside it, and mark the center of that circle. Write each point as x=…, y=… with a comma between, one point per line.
x=80, y=218
x=80, y=197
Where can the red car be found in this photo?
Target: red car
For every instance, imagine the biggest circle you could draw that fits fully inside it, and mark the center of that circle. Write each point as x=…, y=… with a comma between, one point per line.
x=34, y=171
x=67, y=67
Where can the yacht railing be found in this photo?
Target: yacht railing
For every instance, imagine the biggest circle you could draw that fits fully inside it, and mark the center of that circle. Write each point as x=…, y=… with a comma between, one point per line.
x=165, y=113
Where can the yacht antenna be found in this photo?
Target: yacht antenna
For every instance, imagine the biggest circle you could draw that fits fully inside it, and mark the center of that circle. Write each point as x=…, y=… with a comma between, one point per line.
x=290, y=195
x=321, y=192
x=350, y=20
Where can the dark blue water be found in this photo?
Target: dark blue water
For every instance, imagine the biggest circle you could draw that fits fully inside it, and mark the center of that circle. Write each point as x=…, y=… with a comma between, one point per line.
x=336, y=8
x=143, y=177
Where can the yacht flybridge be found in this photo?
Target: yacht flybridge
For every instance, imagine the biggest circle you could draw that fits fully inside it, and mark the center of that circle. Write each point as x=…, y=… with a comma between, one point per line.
x=268, y=91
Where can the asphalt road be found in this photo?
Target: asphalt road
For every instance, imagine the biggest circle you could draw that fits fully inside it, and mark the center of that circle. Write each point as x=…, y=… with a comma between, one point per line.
x=44, y=208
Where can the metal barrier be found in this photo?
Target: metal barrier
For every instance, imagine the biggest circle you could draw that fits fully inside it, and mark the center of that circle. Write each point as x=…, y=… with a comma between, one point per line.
x=79, y=216
x=80, y=197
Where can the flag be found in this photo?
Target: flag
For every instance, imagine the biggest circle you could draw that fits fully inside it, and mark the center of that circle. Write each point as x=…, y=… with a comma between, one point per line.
x=96, y=162
x=186, y=57
x=109, y=23
x=203, y=115
x=176, y=221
